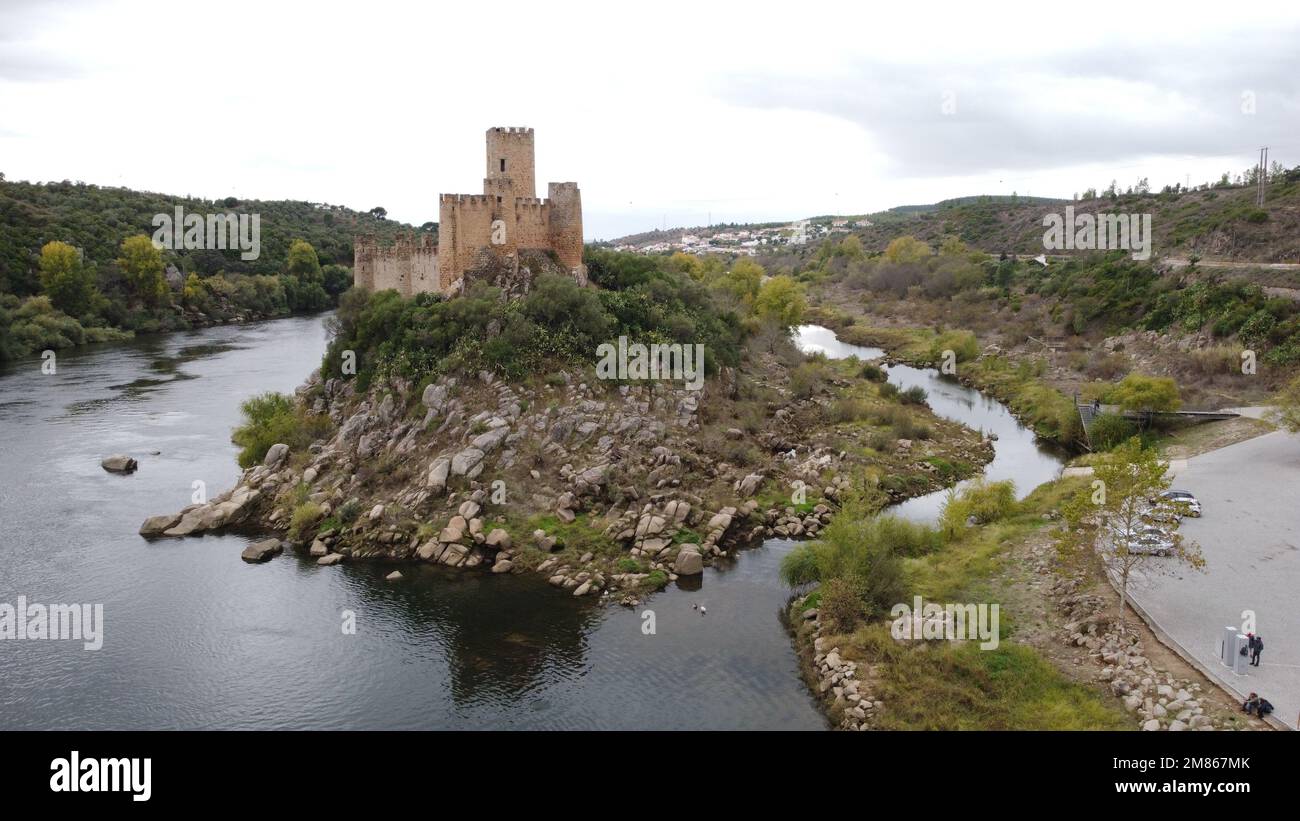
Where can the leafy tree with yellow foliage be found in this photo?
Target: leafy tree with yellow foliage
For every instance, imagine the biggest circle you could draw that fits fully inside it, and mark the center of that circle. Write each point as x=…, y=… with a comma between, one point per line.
x=142, y=265
x=907, y=249
x=744, y=279
x=68, y=282
x=780, y=300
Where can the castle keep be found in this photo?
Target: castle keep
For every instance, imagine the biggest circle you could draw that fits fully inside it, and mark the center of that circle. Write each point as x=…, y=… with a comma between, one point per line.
x=486, y=231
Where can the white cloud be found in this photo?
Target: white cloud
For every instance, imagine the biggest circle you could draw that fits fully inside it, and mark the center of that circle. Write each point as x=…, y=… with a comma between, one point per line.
x=675, y=112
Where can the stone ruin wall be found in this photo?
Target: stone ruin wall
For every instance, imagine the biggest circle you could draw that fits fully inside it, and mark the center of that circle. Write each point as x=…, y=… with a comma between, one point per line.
x=409, y=265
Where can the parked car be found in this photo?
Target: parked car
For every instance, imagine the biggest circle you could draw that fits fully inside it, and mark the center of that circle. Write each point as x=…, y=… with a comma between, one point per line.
x=1145, y=538
x=1183, y=501
x=1162, y=514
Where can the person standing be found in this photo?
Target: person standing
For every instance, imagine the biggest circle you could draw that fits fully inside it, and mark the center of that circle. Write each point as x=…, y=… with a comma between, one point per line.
x=1256, y=647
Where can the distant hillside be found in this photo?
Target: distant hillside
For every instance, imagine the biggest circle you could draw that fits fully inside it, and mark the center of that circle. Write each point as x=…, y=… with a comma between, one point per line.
x=97, y=219
x=1219, y=222
x=667, y=234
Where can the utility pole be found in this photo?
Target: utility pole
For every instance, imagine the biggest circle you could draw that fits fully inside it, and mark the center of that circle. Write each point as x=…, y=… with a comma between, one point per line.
x=1262, y=176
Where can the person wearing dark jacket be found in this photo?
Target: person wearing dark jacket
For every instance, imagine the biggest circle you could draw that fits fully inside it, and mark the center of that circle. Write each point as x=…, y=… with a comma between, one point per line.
x=1256, y=647
x=1251, y=704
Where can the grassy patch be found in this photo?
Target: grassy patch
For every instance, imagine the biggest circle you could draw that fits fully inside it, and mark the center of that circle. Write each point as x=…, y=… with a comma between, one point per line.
x=582, y=535
x=958, y=686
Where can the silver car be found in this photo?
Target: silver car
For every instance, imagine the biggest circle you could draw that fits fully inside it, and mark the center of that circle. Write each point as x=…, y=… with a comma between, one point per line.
x=1182, y=501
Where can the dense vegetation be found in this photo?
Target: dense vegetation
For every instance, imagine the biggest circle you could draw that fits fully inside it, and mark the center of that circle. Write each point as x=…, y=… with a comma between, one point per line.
x=869, y=564
x=271, y=418
x=77, y=264
x=558, y=323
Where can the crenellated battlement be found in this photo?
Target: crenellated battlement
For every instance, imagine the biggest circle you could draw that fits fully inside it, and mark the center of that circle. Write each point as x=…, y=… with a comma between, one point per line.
x=466, y=200
x=507, y=218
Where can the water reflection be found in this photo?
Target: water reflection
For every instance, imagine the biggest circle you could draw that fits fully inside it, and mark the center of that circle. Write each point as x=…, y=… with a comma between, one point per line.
x=196, y=638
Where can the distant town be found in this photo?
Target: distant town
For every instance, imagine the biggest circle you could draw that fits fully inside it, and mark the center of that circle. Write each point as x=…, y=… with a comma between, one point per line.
x=733, y=239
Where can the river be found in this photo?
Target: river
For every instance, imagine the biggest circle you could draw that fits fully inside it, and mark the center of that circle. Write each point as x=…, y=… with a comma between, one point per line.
x=196, y=638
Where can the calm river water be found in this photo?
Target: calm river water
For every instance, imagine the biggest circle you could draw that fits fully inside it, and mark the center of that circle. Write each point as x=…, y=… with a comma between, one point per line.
x=196, y=638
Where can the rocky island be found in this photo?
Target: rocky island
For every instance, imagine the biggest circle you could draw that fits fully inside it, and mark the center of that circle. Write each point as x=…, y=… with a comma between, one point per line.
x=605, y=487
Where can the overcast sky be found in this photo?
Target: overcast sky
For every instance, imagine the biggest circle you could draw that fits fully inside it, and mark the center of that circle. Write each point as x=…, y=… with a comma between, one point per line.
x=664, y=113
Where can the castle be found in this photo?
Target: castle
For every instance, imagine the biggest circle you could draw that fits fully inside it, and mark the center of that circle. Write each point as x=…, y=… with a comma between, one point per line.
x=484, y=231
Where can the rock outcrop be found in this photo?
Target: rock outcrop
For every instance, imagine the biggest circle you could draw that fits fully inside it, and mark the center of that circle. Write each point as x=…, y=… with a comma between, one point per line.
x=119, y=463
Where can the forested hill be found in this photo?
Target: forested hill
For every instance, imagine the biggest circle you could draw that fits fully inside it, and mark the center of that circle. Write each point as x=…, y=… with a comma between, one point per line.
x=96, y=220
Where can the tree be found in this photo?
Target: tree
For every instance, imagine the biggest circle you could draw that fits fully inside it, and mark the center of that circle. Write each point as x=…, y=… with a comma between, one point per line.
x=1106, y=519
x=378, y=212
x=907, y=249
x=1286, y=411
x=953, y=247
x=194, y=294
x=780, y=300
x=688, y=264
x=744, y=279
x=68, y=282
x=303, y=263
x=1145, y=394
x=142, y=264
x=336, y=279
x=850, y=247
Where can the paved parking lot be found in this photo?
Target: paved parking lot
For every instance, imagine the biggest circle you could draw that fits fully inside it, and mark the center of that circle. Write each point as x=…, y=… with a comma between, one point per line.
x=1250, y=535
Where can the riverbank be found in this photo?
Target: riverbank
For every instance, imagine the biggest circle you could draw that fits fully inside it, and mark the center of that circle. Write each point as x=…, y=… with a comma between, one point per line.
x=1061, y=662
x=1017, y=383
x=605, y=489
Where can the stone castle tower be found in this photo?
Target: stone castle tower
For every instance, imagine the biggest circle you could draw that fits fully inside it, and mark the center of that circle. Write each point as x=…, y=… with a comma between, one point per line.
x=482, y=231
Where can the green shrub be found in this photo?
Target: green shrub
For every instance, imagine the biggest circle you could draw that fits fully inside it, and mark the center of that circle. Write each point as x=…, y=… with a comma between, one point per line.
x=1109, y=429
x=963, y=344
x=982, y=501
x=799, y=566
x=864, y=552
x=630, y=565
x=273, y=418
x=807, y=379
x=843, y=601
x=914, y=395
x=304, y=517
x=881, y=441
x=349, y=511
x=848, y=409
x=874, y=373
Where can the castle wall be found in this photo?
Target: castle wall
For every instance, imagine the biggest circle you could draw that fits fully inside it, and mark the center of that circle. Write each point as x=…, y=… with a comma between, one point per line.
x=469, y=217
x=414, y=265
x=565, y=227
x=532, y=223
x=409, y=265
